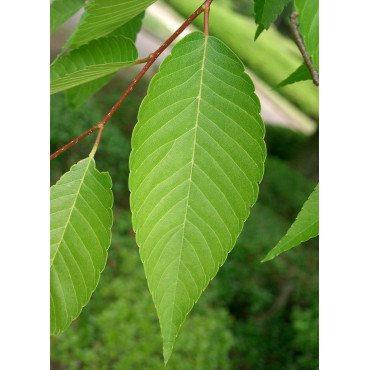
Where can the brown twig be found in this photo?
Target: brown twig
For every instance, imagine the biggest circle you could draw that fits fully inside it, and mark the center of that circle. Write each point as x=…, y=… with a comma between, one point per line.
x=299, y=41
x=151, y=59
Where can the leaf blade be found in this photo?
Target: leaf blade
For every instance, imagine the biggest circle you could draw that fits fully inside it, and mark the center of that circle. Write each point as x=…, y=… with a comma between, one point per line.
x=197, y=157
x=75, y=96
x=300, y=74
x=62, y=10
x=97, y=59
x=102, y=17
x=80, y=222
x=309, y=27
x=266, y=12
x=305, y=227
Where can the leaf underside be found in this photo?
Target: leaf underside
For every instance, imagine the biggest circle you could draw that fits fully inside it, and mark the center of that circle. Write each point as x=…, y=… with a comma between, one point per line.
x=131, y=28
x=104, y=16
x=266, y=12
x=77, y=95
x=300, y=74
x=97, y=59
x=80, y=233
x=197, y=158
x=62, y=10
x=309, y=27
x=305, y=227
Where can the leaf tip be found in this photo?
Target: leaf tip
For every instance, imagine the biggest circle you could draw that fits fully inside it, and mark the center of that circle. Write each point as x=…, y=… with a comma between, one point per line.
x=167, y=351
x=259, y=30
x=267, y=258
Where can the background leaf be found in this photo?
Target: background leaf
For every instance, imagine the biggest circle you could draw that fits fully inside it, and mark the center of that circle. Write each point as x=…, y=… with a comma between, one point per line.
x=80, y=223
x=104, y=16
x=266, y=12
x=197, y=158
x=300, y=74
x=62, y=10
x=305, y=227
x=77, y=95
x=97, y=59
x=131, y=28
x=309, y=27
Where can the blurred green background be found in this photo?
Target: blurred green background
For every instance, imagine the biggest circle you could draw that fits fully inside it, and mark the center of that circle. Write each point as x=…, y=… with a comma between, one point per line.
x=252, y=315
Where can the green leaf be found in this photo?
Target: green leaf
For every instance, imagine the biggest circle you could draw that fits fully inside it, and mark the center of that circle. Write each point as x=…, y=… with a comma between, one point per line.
x=197, y=158
x=103, y=16
x=309, y=27
x=300, y=74
x=266, y=12
x=259, y=30
x=305, y=227
x=97, y=59
x=80, y=227
x=77, y=95
x=131, y=28
x=62, y=10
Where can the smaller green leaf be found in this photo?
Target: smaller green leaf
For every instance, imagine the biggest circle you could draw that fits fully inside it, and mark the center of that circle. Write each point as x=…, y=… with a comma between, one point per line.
x=79, y=94
x=62, y=10
x=131, y=28
x=300, y=74
x=305, y=227
x=80, y=233
x=75, y=96
x=259, y=30
x=97, y=59
x=309, y=27
x=266, y=12
x=104, y=16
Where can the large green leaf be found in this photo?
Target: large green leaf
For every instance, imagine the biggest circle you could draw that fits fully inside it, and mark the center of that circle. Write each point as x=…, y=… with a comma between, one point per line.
x=77, y=95
x=305, y=227
x=103, y=16
x=197, y=158
x=300, y=74
x=62, y=10
x=266, y=12
x=309, y=27
x=80, y=223
x=97, y=59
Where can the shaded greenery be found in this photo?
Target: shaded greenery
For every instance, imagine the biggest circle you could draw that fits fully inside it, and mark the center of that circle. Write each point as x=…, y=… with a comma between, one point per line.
x=252, y=316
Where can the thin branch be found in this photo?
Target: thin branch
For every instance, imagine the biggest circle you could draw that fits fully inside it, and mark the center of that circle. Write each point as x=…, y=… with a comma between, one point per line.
x=152, y=58
x=74, y=141
x=299, y=41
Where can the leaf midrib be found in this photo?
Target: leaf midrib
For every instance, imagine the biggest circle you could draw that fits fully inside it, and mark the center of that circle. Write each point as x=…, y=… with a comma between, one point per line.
x=191, y=167
x=71, y=211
